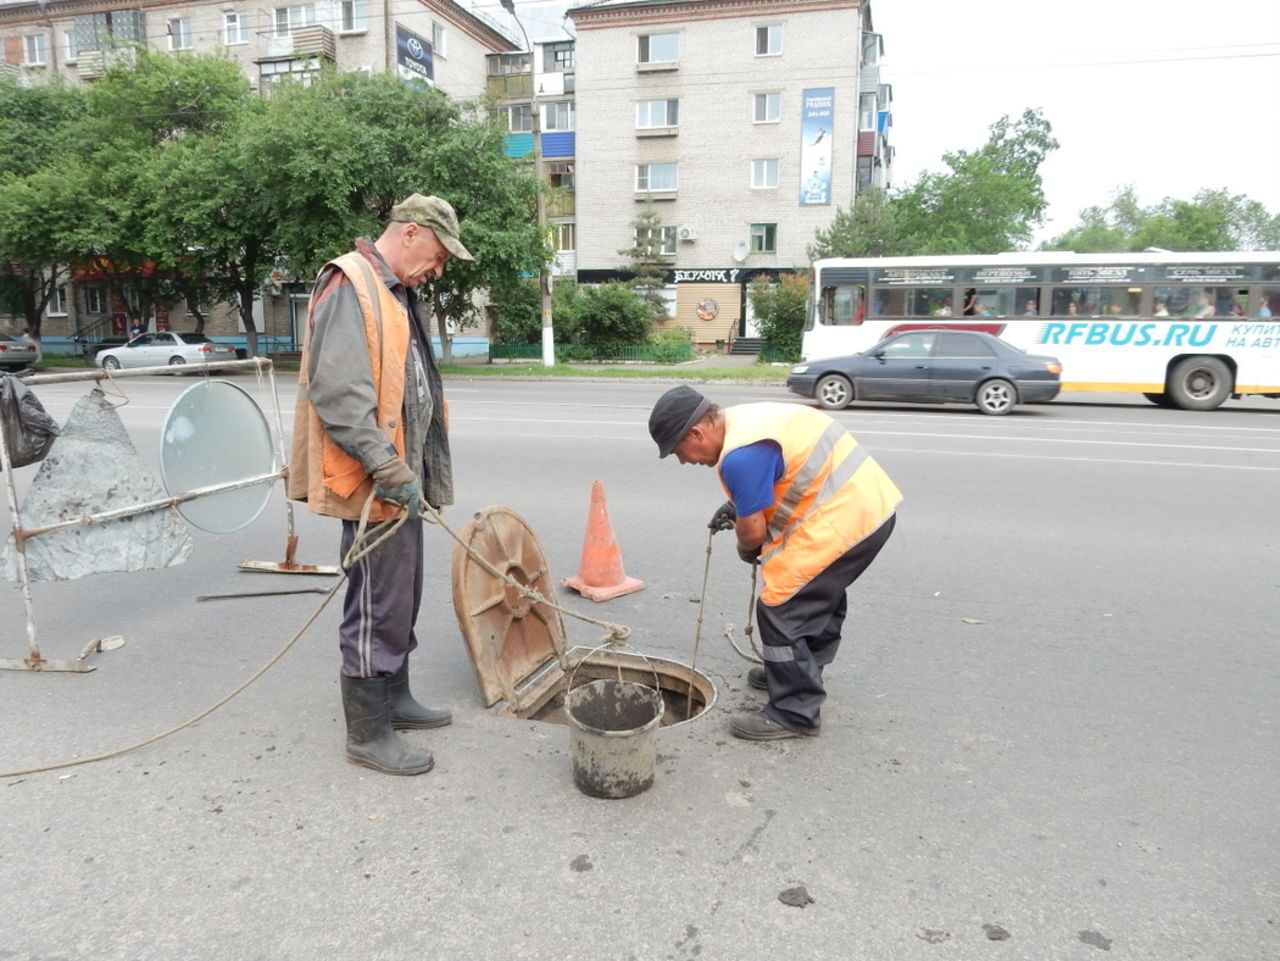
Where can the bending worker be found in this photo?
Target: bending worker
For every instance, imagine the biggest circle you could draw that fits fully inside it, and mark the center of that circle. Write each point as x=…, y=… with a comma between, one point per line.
x=371, y=419
x=808, y=504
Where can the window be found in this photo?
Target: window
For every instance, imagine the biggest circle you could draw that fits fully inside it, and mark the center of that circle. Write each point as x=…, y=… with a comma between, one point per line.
x=863, y=178
x=1197, y=302
x=1124, y=302
x=1003, y=302
x=764, y=238
x=560, y=174
x=963, y=345
x=93, y=303
x=557, y=57
x=180, y=34
x=769, y=40
x=559, y=116
x=650, y=177
x=354, y=16
x=840, y=306
x=519, y=118
x=289, y=19
x=57, y=306
x=657, y=113
x=73, y=46
x=909, y=345
x=439, y=40
x=912, y=302
x=867, y=111
x=659, y=48
x=235, y=29
x=35, y=49
x=657, y=241
x=764, y=173
x=768, y=107
x=565, y=237
x=1268, y=302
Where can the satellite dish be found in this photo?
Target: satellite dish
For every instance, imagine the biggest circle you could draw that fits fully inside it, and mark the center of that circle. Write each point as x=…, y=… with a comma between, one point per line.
x=740, y=252
x=215, y=433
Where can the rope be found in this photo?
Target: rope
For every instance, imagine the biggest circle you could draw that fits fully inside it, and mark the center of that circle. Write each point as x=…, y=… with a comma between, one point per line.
x=358, y=550
x=366, y=540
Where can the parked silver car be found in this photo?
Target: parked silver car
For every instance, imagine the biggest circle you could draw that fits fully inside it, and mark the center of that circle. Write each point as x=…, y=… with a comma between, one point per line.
x=165, y=347
x=16, y=353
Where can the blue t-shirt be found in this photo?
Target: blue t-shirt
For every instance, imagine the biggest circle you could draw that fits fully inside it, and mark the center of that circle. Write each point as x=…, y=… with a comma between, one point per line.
x=750, y=473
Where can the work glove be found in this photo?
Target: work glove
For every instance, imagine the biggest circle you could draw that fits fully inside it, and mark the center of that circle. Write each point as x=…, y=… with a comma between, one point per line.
x=394, y=481
x=749, y=554
x=723, y=518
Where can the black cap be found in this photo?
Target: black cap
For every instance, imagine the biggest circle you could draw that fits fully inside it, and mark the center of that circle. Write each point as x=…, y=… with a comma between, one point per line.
x=675, y=412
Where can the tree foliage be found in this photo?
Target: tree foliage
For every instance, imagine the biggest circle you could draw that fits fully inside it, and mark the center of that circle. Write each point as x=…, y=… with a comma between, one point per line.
x=780, y=311
x=647, y=263
x=867, y=228
x=1211, y=220
x=611, y=317
x=192, y=186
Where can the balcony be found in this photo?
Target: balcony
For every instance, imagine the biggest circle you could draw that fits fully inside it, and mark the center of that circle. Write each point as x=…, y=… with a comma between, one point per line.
x=313, y=40
x=510, y=86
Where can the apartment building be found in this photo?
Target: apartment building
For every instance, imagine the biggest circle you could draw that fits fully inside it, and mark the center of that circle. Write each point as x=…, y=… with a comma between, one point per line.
x=741, y=123
x=437, y=41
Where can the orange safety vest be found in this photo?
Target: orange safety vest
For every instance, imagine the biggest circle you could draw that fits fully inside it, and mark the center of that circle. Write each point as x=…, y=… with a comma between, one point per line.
x=330, y=480
x=832, y=493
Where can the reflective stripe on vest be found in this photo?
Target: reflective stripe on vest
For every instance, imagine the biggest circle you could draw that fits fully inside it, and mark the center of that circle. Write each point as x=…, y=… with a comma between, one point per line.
x=832, y=493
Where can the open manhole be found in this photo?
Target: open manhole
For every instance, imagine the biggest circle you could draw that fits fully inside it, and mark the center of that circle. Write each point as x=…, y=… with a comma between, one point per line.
x=517, y=646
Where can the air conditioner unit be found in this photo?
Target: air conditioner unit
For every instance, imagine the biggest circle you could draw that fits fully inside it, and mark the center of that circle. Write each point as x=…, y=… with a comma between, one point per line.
x=688, y=234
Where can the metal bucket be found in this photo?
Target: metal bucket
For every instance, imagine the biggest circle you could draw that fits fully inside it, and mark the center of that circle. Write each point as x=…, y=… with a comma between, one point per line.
x=613, y=730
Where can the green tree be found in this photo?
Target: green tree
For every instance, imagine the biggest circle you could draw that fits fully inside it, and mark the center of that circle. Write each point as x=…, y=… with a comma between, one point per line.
x=989, y=200
x=611, y=317
x=646, y=262
x=867, y=228
x=1211, y=220
x=36, y=211
x=780, y=311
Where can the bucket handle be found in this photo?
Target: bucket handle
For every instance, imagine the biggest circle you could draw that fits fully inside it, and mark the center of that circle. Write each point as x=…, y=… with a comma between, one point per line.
x=657, y=683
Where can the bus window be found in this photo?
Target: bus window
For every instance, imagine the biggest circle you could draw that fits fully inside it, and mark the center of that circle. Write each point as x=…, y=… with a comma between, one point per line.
x=1119, y=301
x=1269, y=302
x=1005, y=301
x=913, y=302
x=1076, y=301
x=839, y=306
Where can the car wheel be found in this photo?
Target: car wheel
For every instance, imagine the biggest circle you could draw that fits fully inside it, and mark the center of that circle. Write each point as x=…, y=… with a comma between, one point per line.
x=996, y=397
x=177, y=362
x=1199, y=383
x=110, y=363
x=833, y=392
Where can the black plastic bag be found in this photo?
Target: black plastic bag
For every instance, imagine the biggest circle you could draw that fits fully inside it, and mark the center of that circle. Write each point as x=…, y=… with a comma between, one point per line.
x=28, y=431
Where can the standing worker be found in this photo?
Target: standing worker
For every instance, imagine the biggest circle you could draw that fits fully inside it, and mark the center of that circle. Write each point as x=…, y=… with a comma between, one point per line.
x=808, y=504
x=371, y=418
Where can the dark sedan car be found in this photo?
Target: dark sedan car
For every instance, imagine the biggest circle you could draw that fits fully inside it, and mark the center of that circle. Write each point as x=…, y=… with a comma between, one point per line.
x=932, y=367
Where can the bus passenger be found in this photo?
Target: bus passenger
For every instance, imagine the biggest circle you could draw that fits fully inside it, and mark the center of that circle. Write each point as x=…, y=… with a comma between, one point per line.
x=1206, y=305
x=1030, y=309
x=971, y=304
x=1161, y=308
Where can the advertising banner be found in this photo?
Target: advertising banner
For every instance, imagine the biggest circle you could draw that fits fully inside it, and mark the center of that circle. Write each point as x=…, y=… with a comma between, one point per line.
x=413, y=57
x=815, y=146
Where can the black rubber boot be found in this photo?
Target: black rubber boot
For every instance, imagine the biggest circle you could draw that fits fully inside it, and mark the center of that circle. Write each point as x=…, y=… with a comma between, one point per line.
x=406, y=713
x=370, y=739
x=757, y=679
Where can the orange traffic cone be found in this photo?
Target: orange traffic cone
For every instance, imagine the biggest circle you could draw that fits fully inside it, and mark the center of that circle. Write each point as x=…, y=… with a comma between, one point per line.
x=600, y=574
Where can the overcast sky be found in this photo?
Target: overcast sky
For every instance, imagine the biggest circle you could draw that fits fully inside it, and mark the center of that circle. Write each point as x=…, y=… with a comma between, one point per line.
x=1171, y=96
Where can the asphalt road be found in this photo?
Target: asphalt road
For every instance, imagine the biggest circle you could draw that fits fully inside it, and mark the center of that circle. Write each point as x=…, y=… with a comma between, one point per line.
x=1051, y=732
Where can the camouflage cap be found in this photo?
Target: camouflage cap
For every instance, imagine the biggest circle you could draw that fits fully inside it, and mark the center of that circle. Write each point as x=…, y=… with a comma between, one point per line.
x=434, y=213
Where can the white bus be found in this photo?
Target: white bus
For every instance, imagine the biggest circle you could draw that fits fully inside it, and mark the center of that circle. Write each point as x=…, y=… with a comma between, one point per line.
x=1184, y=329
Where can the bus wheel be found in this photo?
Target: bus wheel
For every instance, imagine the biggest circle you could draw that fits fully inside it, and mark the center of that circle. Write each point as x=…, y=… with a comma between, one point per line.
x=833, y=392
x=1199, y=383
x=996, y=397
x=1160, y=400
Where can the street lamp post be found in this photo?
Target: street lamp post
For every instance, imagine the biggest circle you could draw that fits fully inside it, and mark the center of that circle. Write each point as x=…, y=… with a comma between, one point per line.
x=544, y=273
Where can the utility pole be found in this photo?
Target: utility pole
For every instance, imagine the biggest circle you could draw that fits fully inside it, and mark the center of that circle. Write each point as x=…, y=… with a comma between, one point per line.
x=544, y=271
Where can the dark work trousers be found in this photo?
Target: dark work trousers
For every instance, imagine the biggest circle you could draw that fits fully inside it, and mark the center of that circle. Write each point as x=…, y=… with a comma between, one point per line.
x=384, y=591
x=801, y=635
